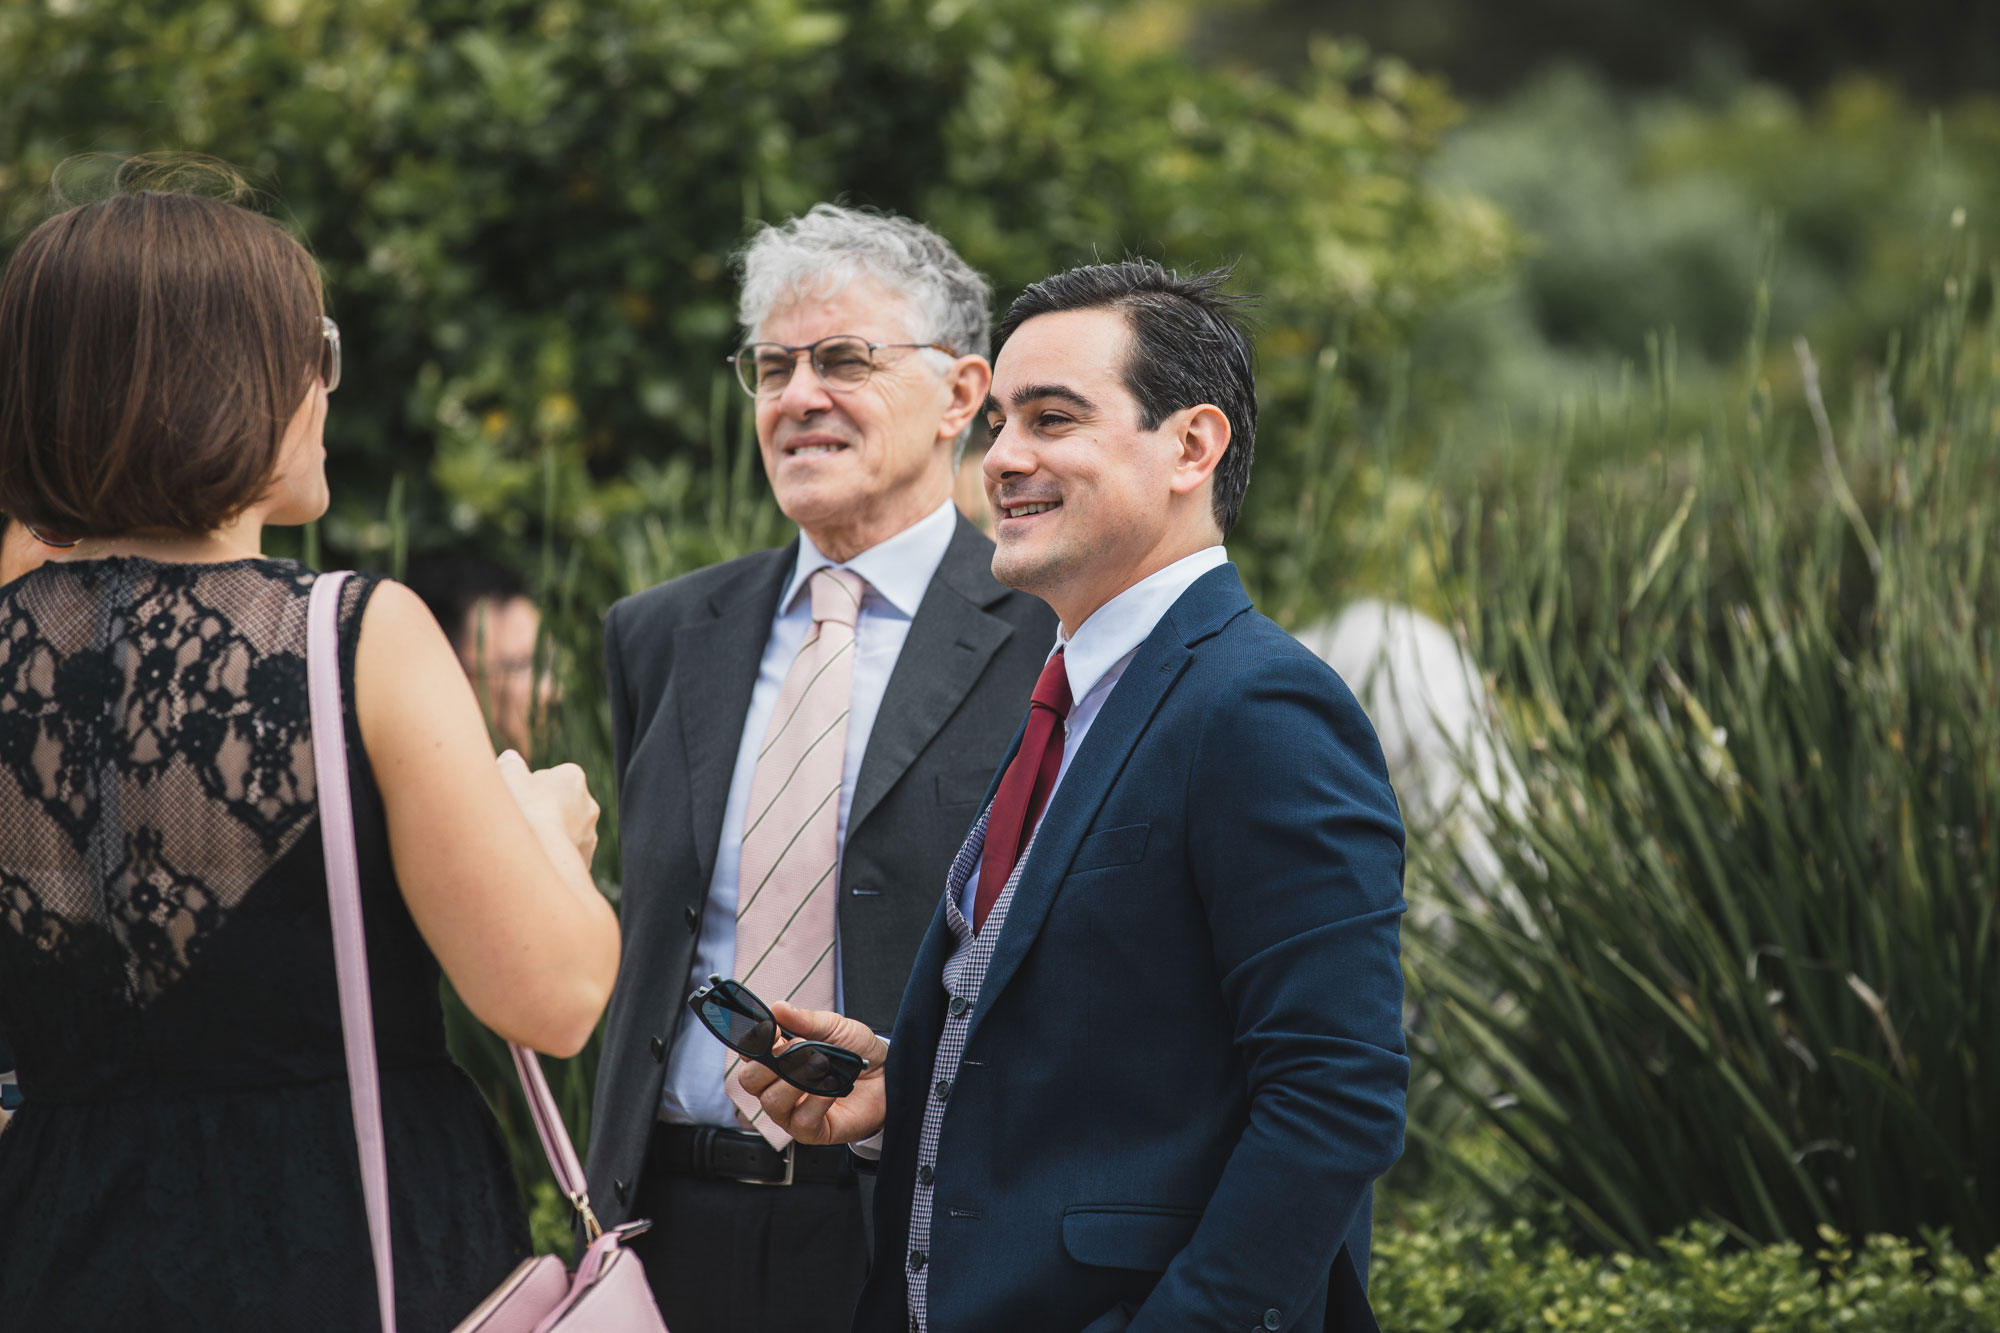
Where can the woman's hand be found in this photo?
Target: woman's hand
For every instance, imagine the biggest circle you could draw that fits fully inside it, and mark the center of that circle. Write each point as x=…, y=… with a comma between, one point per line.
x=820, y=1120
x=557, y=798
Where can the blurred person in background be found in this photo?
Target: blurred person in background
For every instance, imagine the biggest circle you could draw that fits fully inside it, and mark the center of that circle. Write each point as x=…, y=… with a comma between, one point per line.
x=801, y=737
x=183, y=1157
x=485, y=611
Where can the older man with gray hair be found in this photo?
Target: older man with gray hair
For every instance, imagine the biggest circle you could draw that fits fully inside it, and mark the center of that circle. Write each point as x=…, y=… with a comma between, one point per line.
x=802, y=738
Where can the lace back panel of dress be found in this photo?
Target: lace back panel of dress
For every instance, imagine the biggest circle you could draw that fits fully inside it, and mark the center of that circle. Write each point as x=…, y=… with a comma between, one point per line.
x=157, y=753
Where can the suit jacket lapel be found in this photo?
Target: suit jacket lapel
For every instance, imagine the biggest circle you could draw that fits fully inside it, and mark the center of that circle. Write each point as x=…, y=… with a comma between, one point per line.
x=1215, y=599
x=951, y=640
x=717, y=663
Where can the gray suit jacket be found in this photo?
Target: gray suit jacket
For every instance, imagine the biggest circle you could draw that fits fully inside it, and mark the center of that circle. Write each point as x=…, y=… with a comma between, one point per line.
x=681, y=659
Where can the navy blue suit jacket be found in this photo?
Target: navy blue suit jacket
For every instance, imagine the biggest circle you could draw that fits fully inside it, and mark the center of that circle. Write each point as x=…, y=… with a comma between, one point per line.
x=1185, y=1068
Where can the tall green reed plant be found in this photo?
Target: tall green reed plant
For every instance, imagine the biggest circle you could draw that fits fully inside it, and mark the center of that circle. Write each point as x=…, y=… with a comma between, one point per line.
x=1745, y=965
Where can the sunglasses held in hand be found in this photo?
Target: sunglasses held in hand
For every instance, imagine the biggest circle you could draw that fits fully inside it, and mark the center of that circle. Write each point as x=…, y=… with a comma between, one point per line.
x=744, y=1024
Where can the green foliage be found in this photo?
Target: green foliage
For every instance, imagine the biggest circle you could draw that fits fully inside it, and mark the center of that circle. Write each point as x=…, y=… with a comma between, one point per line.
x=551, y=1219
x=1650, y=220
x=1744, y=966
x=1931, y=47
x=1444, y=1277
x=526, y=208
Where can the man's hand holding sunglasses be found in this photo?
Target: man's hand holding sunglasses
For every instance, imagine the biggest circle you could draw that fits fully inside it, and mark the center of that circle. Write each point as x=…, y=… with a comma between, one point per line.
x=822, y=1120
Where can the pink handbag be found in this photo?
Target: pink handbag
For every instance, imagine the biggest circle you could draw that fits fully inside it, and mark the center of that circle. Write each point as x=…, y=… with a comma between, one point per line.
x=608, y=1292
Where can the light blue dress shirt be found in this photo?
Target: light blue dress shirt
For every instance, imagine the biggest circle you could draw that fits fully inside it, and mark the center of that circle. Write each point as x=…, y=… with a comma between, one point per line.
x=898, y=572
x=1097, y=655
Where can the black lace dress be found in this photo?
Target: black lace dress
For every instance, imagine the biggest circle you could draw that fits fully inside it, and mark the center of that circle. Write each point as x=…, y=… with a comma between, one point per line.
x=184, y=1157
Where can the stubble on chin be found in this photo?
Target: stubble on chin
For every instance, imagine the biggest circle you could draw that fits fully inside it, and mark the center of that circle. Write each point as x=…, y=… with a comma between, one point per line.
x=1013, y=566
x=1031, y=567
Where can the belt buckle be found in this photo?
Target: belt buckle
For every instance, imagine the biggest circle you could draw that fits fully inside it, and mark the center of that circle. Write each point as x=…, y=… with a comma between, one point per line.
x=791, y=1156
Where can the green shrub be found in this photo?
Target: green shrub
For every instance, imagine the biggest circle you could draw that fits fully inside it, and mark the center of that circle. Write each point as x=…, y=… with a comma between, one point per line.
x=1448, y=1278
x=1648, y=220
x=1744, y=966
x=526, y=208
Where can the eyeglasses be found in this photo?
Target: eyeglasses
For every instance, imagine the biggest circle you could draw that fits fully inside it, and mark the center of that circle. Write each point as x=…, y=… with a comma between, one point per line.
x=843, y=362
x=744, y=1024
x=329, y=354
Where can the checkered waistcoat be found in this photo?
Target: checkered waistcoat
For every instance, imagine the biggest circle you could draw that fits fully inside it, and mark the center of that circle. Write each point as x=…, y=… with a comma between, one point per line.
x=964, y=974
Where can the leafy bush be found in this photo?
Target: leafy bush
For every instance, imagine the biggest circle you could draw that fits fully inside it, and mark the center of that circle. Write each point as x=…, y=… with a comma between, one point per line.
x=1649, y=220
x=526, y=208
x=1744, y=967
x=1448, y=1278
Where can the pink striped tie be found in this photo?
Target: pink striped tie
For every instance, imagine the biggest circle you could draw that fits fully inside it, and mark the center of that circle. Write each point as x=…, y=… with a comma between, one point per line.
x=787, y=883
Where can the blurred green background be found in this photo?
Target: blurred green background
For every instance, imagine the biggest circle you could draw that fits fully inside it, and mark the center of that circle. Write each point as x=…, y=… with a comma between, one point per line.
x=1649, y=348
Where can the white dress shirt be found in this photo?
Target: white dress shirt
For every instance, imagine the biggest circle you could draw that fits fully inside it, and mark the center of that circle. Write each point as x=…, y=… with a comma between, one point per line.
x=1097, y=654
x=898, y=572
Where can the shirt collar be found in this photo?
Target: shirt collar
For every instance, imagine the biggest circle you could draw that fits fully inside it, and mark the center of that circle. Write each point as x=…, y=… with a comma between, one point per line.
x=1118, y=627
x=898, y=570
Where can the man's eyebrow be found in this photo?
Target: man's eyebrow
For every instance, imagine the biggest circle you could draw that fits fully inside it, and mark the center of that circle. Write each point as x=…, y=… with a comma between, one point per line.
x=991, y=407
x=1029, y=393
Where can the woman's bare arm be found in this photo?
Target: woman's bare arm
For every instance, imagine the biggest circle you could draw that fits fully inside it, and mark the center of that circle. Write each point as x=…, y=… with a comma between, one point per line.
x=488, y=862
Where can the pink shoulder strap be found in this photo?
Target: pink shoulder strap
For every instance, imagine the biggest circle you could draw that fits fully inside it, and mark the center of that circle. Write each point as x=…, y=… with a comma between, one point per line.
x=350, y=952
x=350, y=948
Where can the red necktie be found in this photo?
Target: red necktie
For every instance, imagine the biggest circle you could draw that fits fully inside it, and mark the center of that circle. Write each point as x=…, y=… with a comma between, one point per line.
x=1025, y=788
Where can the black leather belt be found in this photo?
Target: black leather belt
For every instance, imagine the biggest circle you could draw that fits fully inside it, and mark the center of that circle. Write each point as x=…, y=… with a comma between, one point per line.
x=708, y=1153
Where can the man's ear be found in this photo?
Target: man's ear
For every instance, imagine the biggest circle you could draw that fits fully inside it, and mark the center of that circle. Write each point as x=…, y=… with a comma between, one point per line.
x=969, y=379
x=1202, y=435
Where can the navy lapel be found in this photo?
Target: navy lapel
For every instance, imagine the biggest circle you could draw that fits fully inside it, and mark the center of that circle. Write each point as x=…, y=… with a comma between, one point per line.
x=715, y=669
x=1213, y=600
x=951, y=640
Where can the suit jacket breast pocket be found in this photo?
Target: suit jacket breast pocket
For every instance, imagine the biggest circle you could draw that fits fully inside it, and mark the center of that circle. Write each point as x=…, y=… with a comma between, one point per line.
x=1111, y=847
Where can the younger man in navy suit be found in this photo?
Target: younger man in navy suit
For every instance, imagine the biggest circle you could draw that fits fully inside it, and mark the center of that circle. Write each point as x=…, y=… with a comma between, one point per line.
x=1150, y=1060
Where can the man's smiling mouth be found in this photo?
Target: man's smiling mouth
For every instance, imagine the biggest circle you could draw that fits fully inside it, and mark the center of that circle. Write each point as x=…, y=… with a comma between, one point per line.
x=1028, y=507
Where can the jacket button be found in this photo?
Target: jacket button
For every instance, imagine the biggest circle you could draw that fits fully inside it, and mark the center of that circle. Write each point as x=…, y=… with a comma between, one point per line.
x=1272, y=1319
x=959, y=1004
x=942, y=1089
x=618, y=1188
x=693, y=918
x=659, y=1049
x=925, y=1175
x=916, y=1261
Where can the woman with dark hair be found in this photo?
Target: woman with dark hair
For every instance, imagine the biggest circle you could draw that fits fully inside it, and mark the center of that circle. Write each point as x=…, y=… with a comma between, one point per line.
x=184, y=1154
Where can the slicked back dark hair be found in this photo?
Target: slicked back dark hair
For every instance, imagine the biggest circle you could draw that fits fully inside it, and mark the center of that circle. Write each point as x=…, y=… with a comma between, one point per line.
x=1190, y=345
